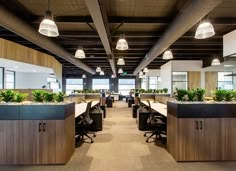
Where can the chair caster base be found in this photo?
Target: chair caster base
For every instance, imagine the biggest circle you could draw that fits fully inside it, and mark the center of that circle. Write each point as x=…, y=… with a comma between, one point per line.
x=147, y=141
x=92, y=141
x=94, y=135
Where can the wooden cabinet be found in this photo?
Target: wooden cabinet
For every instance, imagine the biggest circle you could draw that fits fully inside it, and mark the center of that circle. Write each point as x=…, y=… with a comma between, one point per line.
x=228, y=138
x=37, y=141
x=195, y=139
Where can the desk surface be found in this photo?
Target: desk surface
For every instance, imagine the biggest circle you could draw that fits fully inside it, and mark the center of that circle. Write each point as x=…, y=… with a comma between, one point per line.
x=81, y=107
x=159, y=107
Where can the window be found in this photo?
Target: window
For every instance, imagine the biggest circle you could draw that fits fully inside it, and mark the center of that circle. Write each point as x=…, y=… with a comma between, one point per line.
x=1, y=78
x=52, y=82
x=73, y=84
x=101, y=84
x=125, y=85
x=9, y=79
x=179, y=80
x=144, y=83
x=153, y=82
x=225, y=80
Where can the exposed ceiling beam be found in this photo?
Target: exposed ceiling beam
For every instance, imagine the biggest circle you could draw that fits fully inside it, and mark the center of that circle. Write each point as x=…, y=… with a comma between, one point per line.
x=18, y=26
x=189, y=15
x=98, y=14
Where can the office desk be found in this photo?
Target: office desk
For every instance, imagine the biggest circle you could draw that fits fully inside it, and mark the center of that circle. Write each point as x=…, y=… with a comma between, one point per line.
x=158, y=107
x=81, y=107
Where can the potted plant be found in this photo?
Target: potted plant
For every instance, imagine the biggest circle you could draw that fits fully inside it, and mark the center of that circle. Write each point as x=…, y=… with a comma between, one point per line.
x=180, y=94
x=191, y=95
x=229, y=95
x=200, y=94
x=165, y=90
x=59, y=97
x=38, y=95
x=20, y=97
x=48, y=97
x=219, y=95
x=7, y=95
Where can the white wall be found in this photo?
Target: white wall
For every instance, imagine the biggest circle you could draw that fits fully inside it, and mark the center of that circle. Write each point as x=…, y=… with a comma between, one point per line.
x=25, y=80
x=166, y=78
x=184, y=65
x=153, y=72
x=229, y=43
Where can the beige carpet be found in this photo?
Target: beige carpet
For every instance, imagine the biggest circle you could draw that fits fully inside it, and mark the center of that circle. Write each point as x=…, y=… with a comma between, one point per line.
x=121, y=147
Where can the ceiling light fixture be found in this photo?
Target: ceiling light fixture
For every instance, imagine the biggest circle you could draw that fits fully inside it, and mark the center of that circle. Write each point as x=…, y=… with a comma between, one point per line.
x=204, y=30
x=102, y=73
x=121, y=61
x=215, y=62
x=122, y=44
x=113, y=76
x=83, y=76
x=47, y=26
x=140, y=73
x=98, y=69
x=79, y=53
x=120, y=71
x=145, y=70
x=167, y=55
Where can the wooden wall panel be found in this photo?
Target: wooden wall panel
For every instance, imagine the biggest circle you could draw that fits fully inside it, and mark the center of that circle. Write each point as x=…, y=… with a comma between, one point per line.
x=210, y=82
x=13, y=51
x=194, y=80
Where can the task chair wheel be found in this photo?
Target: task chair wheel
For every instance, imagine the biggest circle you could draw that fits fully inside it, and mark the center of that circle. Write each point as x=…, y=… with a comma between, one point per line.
x=144, y=135
x=92, y=141
x=94, y=135
x=147, y=141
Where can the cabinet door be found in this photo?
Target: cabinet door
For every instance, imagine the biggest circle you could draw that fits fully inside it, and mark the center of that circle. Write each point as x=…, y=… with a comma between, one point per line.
x=208, y=147
x=228, y=138
x=29, y=141
x=187, y=139
x=9, y=144
x=47, y=142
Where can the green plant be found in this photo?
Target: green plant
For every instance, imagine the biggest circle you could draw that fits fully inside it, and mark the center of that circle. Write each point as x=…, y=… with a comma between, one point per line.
x=229, y=95
x=165, y=90
x=157, y=91
x=20, y=97
x=7, y=95
x=219, y=95
x=59, y=97
x=200, y=94
x=180, y=94
x=38, y=95
x=48, y=97
x=191, y=95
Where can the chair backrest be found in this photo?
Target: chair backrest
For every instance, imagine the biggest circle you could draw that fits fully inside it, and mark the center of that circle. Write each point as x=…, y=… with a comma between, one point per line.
x=87, y=118
x=151, y=116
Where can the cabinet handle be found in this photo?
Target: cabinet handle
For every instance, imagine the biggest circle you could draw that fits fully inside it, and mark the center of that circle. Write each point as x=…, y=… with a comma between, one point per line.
x=200, y=125
x=196, y=125
x=40, y=127
x=44, y=125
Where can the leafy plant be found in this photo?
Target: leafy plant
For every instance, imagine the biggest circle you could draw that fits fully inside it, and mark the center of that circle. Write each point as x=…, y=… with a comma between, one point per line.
x=38, y=95
x=157, y=91
x=165, y=90
x=48, y=97
x=229, y=95
x=59, y=97
x=7, y=96
x=20, y=97
x=200, y=94
x=219, y=95
x=180, y=94
x=191, y=95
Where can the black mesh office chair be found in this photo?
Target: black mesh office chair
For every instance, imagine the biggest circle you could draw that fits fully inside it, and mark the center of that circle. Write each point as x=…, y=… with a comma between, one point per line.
x=156, y=123
x=84, y=123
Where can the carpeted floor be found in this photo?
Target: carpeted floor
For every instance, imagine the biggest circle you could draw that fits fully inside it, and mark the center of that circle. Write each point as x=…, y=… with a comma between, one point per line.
x=122, y=147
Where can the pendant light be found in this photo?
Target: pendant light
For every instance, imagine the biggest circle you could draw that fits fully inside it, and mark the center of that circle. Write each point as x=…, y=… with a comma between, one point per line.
x=140, y=73
x=121, y=61
x=47, y=26
x=83, y=76
x=79, y=53
x=120, y=71
x=215, y=62
x=122, y=44
x=98, y=69
x=113, y=76
x=102, y=73
x=145, y=70
x=140, y=76
x=167, y=55
x=204, y=30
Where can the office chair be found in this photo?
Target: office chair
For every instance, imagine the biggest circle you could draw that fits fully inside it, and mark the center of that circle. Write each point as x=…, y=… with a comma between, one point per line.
x=84, y=123
x=155, y=122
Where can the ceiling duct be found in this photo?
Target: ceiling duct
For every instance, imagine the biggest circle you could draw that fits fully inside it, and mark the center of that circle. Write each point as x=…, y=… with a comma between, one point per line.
x=188, y=16
x=21, y=28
